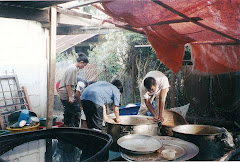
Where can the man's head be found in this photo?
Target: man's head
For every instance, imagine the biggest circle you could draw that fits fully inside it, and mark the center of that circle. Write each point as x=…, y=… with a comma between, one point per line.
x=82, y=60
x=118, y=84
x=91, y=82
x=150, y=84
x=79, y=79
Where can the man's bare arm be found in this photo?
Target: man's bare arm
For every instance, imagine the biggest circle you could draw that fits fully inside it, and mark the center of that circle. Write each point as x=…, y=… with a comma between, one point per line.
x=116, y=112
x=77, y=95
x=162, y=99
x=150, y=108
x=69, y=91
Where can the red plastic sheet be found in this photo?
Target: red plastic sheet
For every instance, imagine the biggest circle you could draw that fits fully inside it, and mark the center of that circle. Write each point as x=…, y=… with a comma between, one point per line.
x=217, y=59
x=168, y=40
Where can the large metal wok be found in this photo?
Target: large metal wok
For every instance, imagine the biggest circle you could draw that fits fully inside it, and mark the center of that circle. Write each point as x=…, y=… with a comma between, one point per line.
x=131, y=124
x=209, y=139
x=139, y=144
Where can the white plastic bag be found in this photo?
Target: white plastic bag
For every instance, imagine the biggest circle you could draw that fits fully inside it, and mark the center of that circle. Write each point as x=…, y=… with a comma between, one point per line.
x=181, y=110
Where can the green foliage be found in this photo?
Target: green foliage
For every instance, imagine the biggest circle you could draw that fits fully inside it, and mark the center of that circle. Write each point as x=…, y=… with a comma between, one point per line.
x=110, y=53
x=120, y=56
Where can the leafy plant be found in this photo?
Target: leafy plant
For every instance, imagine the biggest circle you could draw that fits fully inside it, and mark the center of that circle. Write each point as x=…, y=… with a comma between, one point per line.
x=122, y=59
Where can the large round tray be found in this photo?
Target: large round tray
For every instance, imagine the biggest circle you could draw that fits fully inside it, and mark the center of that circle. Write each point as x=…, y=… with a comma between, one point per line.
x=185, y=150
x=139, y=144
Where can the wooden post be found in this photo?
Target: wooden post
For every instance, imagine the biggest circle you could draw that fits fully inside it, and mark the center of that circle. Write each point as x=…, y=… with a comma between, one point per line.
x=51, y=66
x=172, y=90
x=27, y=98
x=133, y=81
x=105, y=71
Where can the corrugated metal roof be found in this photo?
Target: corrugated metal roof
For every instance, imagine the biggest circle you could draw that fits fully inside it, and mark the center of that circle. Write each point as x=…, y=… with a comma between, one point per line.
x=65, y=42
x=32, y=4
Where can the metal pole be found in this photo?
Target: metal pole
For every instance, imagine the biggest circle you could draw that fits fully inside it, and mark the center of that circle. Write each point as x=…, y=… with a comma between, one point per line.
x=172, y=90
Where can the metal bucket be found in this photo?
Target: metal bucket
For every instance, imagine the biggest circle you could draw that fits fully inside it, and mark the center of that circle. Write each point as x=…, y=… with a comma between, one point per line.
x=209, y=139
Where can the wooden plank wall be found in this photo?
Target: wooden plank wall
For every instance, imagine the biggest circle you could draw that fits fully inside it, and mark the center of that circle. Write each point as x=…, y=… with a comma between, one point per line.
x=216, y=95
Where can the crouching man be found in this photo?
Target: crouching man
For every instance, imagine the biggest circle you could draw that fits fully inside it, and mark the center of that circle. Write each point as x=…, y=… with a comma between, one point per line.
x=95, y=97
x=154, y=86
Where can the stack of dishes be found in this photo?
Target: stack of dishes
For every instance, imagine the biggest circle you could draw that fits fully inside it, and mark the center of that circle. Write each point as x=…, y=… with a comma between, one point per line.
x=151, y=148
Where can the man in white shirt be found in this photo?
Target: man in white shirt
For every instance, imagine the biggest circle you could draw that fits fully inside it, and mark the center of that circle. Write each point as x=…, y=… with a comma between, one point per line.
x=81, y=85
x=155, y=85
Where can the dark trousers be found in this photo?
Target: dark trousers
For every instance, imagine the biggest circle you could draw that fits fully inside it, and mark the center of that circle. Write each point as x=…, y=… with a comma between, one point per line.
x=94, y=114
x=72, y=113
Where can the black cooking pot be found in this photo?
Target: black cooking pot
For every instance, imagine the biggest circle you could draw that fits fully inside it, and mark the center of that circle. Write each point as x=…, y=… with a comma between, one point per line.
x=209, y=139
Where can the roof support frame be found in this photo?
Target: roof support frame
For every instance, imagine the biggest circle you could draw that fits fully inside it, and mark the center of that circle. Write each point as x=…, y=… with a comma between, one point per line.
x=193, y=21
x=216, y=43
x=73, y=13
x=39, y=15
x=87, y=3
x=176, y=21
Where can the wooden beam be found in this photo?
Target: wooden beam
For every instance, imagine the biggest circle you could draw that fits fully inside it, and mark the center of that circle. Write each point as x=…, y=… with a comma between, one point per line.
x=129, y=28
x=226, y=43
x=51, y=66
x=176, y=21
x=172, y=90
x=133, y=79
x=26, y=14
x=72, y=20
x=64, y=16
x=193, y=21
x=69, y=30
x=68, y=20
x=27, y=98
x=216, y=43
x=147, y=45
x=86, y=3
x=73, y=13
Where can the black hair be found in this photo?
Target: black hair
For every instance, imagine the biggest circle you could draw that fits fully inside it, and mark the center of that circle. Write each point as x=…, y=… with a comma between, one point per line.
x=91, y=82
x=149, y=82
x=118, y=84
x=82, y=57
x=79, y=79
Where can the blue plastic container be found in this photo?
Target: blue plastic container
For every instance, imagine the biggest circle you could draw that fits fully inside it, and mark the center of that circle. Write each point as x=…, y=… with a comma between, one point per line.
x=24, y=115
x=130, y=109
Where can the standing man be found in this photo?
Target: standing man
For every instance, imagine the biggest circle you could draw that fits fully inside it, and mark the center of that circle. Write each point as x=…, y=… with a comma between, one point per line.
x=67, y=88
x=155, y=85
x=94, y=99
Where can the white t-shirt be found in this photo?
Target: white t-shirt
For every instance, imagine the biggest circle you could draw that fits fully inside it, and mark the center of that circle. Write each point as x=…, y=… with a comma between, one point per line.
x=161, y=80
x=80, y=86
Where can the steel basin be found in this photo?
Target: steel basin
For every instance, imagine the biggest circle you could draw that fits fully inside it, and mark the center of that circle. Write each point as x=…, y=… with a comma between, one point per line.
x=131, y=124
x=209, y=139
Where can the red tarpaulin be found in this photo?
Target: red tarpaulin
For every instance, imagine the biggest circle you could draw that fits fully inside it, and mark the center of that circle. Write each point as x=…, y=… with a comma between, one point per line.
x=213, y=31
